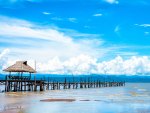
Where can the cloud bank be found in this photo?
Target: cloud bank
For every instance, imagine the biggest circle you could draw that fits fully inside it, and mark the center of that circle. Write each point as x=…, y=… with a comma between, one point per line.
x=84, y=64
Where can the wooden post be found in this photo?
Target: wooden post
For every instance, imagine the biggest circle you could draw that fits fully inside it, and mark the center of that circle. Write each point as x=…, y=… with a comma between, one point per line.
x=6, y=83
x=53, y=86
x=76, y=85
x=81, y=83
x=88, y=85
x=65, y=83
x=25, y=86
x=48, y=84
x=69, y=84
x=59, y=85
x=41, y=86
x=35, y=86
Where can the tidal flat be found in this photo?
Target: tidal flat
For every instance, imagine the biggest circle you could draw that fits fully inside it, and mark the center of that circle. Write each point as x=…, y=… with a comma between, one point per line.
x=132, y=98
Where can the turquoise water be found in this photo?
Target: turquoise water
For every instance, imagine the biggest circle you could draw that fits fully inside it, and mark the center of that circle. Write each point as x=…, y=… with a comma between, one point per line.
x=133, y=98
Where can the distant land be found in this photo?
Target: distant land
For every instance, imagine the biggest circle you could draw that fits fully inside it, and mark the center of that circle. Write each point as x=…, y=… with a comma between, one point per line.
x=126, y=78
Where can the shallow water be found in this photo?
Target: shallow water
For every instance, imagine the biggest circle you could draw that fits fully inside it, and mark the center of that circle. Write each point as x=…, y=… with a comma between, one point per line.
x=133, y=98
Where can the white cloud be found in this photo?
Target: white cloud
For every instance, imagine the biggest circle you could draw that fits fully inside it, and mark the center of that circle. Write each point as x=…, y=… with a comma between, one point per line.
x=46, y=13
x=59, y=52
x=3, y=53
x=3, y=58
x=117, y=29
x=98, y=14
x=72, y=20
x=31, y=41
x=84, y=64
x=64, y=19
x=20, y=28
x=146, y=33
x=112, y=1
x=143, y=25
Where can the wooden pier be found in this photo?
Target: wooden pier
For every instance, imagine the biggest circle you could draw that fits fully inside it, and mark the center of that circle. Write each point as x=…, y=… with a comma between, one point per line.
x=19, y=82
x=81, y=84
x=41, y=85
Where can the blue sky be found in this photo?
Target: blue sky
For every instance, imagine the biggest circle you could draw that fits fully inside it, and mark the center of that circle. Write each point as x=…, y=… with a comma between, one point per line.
x=104, y=30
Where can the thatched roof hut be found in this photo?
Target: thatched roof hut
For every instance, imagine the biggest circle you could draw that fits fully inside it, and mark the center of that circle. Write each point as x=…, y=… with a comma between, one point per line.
x=20, y=66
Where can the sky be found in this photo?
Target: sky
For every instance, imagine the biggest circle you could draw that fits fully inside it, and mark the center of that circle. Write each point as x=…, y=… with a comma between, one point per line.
x=77, y=36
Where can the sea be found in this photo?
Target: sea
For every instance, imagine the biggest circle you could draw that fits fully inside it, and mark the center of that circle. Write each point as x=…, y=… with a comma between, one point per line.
x=134, y=97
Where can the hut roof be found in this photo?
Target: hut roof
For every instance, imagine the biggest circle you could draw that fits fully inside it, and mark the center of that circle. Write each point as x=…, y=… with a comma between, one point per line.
x=20, y=66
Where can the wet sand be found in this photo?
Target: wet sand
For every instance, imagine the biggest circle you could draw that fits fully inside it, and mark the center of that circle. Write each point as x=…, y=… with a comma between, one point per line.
x=58, y=100
x=134, y=98
x=12, y=111
x=64, y=100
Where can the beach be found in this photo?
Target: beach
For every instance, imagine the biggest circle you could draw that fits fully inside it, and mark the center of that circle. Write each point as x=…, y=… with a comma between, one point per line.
x=74, y=56
x=133, y=98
